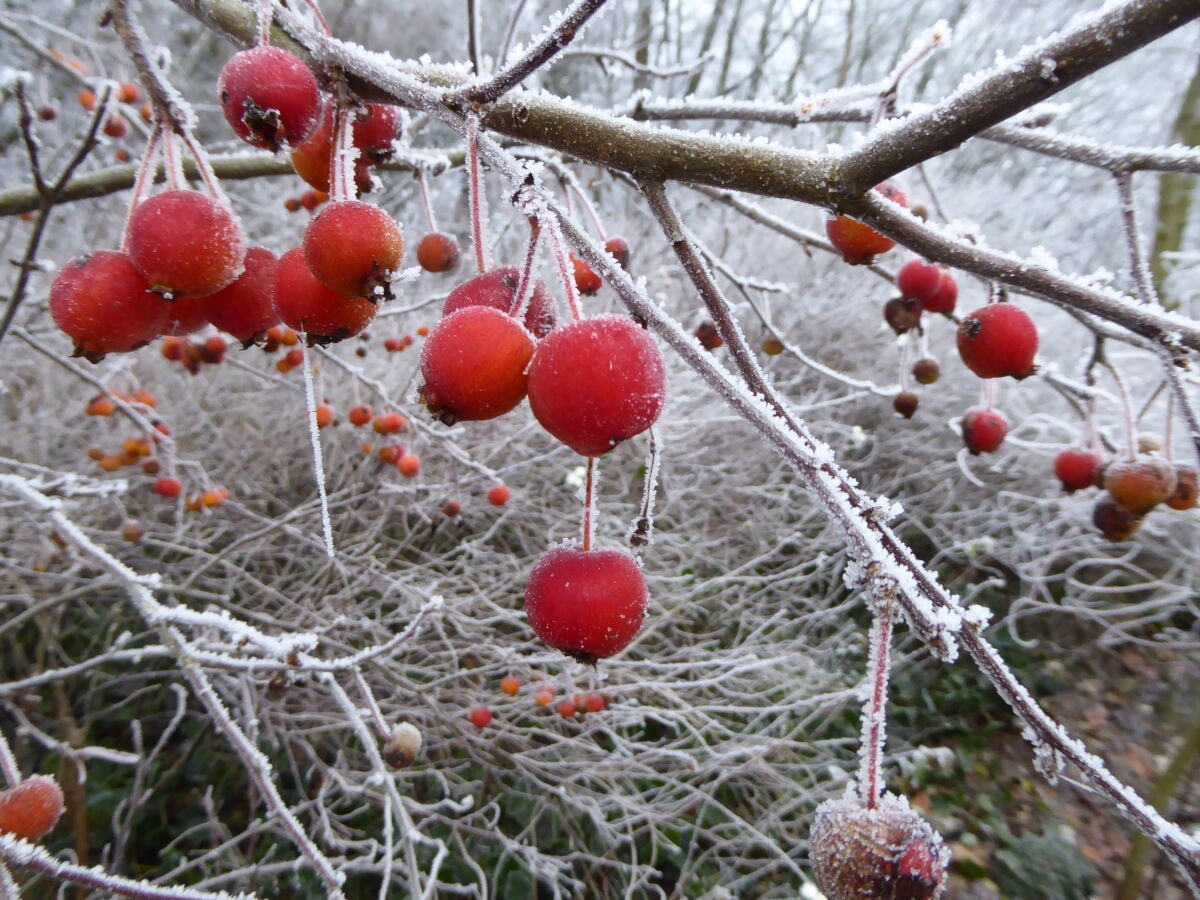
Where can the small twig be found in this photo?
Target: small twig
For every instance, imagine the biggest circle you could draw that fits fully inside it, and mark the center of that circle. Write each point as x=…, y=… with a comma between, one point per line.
x=1137, y=259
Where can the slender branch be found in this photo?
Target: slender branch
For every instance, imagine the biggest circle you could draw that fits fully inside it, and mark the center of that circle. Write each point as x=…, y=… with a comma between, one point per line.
x=1137, y=258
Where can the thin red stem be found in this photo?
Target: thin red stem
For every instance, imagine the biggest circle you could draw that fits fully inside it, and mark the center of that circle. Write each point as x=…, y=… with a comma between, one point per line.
x=875, y=710
x=524, y=290
x=426, y=204
x=589, y=504
x=477, y=199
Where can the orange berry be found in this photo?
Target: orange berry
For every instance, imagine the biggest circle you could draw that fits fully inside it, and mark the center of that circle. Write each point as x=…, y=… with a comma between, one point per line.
x=95, y=454
x=100, y=406
x=359, y=416
x=128, y=93
x=110, y=463
x=567, y=709
x=87, y=99
x=510, y=685
x=544, y=696
x=294, y=357
x=422, y=330
x=409, y=465
x=391, y=453
x=324, y=416
x=146, y=111
x=499, y=495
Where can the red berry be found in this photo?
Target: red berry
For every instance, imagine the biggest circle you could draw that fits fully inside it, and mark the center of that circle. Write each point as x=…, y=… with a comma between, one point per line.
x=544, y=696
x=919, y=280
x=588, y=604
x=360, y=415
x=945, y=298
x=437, y=252
x=905, y=403
x=324, y=415
x=1076, y=468
x=567, y=709
x=497, y=289
x=186, y=243
x=269, y=97
x=31, y=809
x=586, y=281
x=983, y=430
x=168, y=487
x=246, y=308
x=128, y=93
x=997, y=340
x=859, y=244
x=593, y=703
x=510, y=685
x=1139, y=485
x=499, y=495
x=481, y=717
x=307, y=305
x=474, y=365
x=390, y=423
x=597, y=382
x=374, y=133
x=708, y=336
x=213, y=349
x=116, y=126
x=353, y=247
x=105, y=305
x=451, y=508
x=409, y=465
x=618, y=247
x=187, y=316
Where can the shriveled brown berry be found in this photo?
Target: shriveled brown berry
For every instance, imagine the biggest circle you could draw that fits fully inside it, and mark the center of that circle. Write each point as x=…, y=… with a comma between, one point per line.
x=1184, y=496
x=926, y=370
x=1140, y=484
x=906, y=403
x=888, y=852
x=1113, y=520
x=903, y=314
x=772, y=346
x=403, y=746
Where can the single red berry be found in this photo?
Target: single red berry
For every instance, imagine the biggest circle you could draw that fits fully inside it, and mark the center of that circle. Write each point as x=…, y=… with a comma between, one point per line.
x=474, y=365
x=360, y=415
x=859, y=244
x=587, y=282
x=1139, y=485
x=324, y=415
x=983, y=430
x=945, y=298
x=185, y=243
x=926, y=370
x=269, y=97
x=708, y=335
x=498, y=289
x=618, y=248
x=390, y=423
x=30, y=809
x=499, y=495
x=451, y=508
x=544, y=695
x=172, y=349
x=374, y=134
x=593, y=703
x=481, y=717
x=999, y=339
x=128, y=93
x=1076, y=468
x=1114, y=522
x=905, y=403
x=588, y=604
x=409, y=465
x=437, y=252
x=567, y=709
x=887, y=851
x=307, y=305
x=116, y=126
x=919, y=280
x=353, y=248
x=510, y=684
x=294, y=357
x=168, y=487
x=105, y=305
x=212, y=351
x=903, y=314
x=187, y=316
x=597, y=382
x=246, y=308
x=100, y=406
x=1185, y=494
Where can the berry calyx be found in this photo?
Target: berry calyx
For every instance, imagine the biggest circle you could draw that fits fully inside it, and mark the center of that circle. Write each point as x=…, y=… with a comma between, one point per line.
x=999, y=339
x=588, y=604
x=1076, y=468
x=30, y=809
x=269, y=97
x=246, y=308
x=474, y=365
x=185, y=243
x=1139, y=485
x=307, y=305
x=437, y=252
x=105, y=305
x=497, y=289
x=353, y=248
x=859, y=244
x=983, y=430
x=597, y=382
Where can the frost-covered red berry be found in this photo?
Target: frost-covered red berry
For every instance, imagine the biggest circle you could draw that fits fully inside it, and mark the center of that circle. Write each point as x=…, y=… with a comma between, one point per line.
x=309, y=306
x=353, y=248
x=246, y=308
x=887, y=852
x=859, y=244
x=587, y=603
x=999, y=339
x=30, y=809
x=918, y=280
x=269, y=97
x=1140, y=484
x=185, y=243
x=437, y=252
x=597, y=382
x=1076, y=467
x=497, y=289
x=105, y=305
x=983, y=430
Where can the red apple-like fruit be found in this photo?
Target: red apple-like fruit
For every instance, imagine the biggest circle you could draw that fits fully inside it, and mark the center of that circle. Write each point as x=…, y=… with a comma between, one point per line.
x=587, y=282
x=474, y=365
x=269, y=97
x=589, y=604
x=919, y=280
x=246, y=308
x=105, y=305
x=498, y=289
x=185, y=243
x=353, y=248
x=597, y=382
x=859, y=244
x=983, y=430
x=30, y=809
x=437, y=252
x=945, y=298
x=999, y=339
x=618, y=247
x=1076, y=467
x=309, y=306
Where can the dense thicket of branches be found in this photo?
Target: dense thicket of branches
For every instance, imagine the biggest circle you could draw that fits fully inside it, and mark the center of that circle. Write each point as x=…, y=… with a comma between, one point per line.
x=213, y=688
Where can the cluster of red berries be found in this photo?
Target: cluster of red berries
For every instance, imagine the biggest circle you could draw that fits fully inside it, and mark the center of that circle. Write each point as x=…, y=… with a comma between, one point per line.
x=568, y=707
x=194, y=354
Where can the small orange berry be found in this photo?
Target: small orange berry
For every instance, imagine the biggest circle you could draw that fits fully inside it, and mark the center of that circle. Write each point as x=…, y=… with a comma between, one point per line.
x=324, y=416
x=510, y=685
x=499, y=495
x=409, y=465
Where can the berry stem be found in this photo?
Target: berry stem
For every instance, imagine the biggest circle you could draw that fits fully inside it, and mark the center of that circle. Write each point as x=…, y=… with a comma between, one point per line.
x=319, y=16
x=143, y=179
x=643, y=527
x=377, y=717
x=524, y=292
x=8, y=764
x=989, y=393
x=1127, y=405
x=477, y=199
x=874, y=728
x=314, y=437
x=426, y=204
x=173, y=162
x=1169, y=429
x=589, y=504
x=589, y=208
x=264, y=22
x=341, y=163
x=1137, y=259
x=566, y=271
